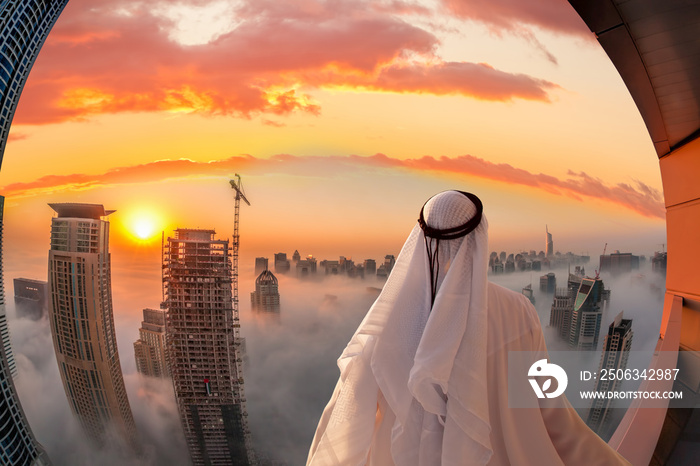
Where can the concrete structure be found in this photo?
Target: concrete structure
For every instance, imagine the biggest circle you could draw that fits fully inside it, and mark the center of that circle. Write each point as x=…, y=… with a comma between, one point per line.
x=619, y=262
x=203, y=347
x=82, y=323
x=616, y=349
x=528, y=293
x=266, y=297
x=260, y=265
x=31, y=298
x=149, y=349
x=549, y=243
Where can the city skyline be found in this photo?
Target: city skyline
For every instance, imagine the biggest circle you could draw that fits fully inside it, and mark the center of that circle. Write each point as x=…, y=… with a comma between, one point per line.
x=191, y=106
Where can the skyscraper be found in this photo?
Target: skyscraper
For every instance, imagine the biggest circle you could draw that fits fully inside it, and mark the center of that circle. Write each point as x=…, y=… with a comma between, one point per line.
x=24, y=25
x=149, y=349
x=17, y=443
x=260, y=265
x=266, y=297
x=586, y=315
x=82, y=323
x=549, y=246
x=203, y=349
x=616, y=348
x=31, y=298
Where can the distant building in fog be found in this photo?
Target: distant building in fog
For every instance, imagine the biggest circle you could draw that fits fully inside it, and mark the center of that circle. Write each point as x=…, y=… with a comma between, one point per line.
x=370, y=266
x=31, y=298
x=266, y=297
x=549, y=243
x=149, y=349
x=306, y=267
x=616, y=349
x=281, y=262
x=260, y=265
x=587, y=314
x=548, y=282
x=619, y=262
x=528, y=293
x=296, y=257
x=658, y=262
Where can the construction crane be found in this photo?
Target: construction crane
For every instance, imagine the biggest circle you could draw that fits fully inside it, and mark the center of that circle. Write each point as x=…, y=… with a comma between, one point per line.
x=597, y=272
x=240, y=194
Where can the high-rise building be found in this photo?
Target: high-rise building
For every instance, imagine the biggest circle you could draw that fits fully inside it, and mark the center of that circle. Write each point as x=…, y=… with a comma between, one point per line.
x=548, y=282
x=260, y=265
x=306, y=267
x=658, y=262
x=296, y=257
x=587, y=314
x=549, y=243
x=25, y=26
x=82, y=323
x=149, y=349
x=560, y=315
x=203, y=349
x=616, y=348
x=619, y=262
x=266, y=297
x=281, y=262
x=370, y=266
x=31, y=298
x=17, y=443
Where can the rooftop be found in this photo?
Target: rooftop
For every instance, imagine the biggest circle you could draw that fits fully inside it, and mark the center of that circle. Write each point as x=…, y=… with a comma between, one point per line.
x=76, y=210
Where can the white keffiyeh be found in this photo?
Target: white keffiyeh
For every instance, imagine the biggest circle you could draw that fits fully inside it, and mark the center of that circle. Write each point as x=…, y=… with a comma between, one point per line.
x=420, y=369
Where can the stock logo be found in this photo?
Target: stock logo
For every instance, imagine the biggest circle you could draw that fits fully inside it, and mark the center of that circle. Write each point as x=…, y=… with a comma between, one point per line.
x=542, y=368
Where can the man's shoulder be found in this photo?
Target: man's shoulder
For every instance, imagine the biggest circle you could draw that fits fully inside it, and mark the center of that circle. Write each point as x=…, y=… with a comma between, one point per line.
x=504, y=295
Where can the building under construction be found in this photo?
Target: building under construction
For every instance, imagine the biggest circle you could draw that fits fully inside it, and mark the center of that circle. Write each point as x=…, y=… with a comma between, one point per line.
x=203, y=347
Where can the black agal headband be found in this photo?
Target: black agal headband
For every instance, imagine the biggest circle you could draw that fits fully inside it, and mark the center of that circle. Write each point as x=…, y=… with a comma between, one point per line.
x=436, y=234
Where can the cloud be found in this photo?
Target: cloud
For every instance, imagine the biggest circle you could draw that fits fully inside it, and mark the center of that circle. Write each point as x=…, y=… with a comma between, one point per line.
x=637, y=197
x=124, y=56
x=515, y=15
x=521, y=18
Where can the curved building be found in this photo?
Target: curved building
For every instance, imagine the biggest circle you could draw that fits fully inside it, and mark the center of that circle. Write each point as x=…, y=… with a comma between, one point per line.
x=24, y=26
x=82, y=321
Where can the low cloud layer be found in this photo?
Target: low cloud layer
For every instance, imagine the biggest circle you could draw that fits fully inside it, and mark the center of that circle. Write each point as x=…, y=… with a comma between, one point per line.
x=636, y=196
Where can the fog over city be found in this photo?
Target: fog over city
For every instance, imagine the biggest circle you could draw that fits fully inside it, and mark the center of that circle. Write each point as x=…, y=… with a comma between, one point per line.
x=290, y=362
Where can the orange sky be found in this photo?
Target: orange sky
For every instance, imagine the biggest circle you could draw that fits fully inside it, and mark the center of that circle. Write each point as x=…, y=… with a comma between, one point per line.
x=342, y=117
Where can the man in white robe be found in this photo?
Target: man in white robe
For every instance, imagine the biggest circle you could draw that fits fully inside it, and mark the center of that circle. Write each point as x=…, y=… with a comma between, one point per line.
x=424, y=380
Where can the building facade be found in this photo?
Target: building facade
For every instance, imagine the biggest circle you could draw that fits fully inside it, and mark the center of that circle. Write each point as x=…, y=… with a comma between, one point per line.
x=616, y=349
x=202, y=348
x=549, y=243
x=587, y=315
x=25, y=24
x=31, y=298
x=260, y=265
x=266, y=297
x=82, y=322
x=17, y=443
x=149, y=349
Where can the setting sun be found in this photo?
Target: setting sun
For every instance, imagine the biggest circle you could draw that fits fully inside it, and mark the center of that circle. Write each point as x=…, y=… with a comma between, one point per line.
x=144, y=228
